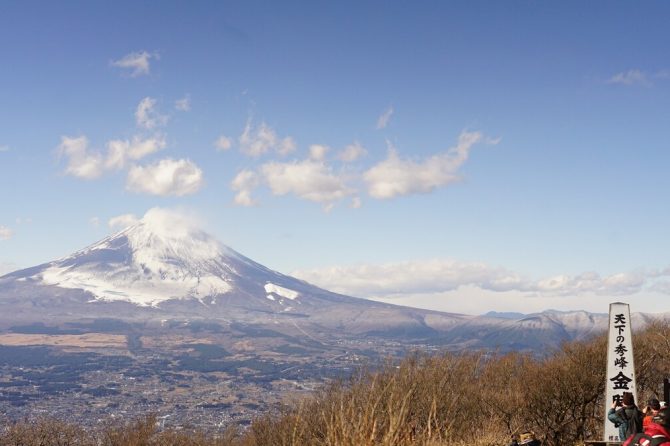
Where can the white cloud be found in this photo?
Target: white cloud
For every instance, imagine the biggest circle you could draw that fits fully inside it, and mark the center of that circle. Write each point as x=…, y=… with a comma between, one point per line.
x=147, y=117
x=244, y=184
x=4, y=148
x=395, y=177
x=309, y=180
x=5, y=233
x=630, y=77
x=384, y=118
x=119, y=152
x=315, y=180
x=163, y=222
x=183, y=104
x=81, y=162
x=352, y=152
x=177, y=223
x=411, y=279
x=166, y=177
x=317, y=152
x=121, y=222
x=138, y=62
x=223, y=143
x=257, y=141
x=616, y=284
x=286, y=146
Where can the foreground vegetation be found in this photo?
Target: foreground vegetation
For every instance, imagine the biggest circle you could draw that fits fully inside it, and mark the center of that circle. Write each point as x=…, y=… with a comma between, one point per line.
x=452, y=399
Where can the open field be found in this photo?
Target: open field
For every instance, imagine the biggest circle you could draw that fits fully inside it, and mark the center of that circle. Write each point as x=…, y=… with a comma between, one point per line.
x=88, y=340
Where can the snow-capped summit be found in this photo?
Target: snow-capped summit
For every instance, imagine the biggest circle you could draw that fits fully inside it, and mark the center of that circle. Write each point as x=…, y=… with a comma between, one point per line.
x=161, y=257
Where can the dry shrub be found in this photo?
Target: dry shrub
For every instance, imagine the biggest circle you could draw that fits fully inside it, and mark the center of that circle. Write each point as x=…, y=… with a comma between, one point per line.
x=652, y=361
x=564, y=394
x=136, y=434
x=143, y=432
x=467, y=399
x=422, y=401
x=44, y=432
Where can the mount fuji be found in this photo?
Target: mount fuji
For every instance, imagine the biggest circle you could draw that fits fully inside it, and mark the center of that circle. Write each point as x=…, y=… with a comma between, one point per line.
x=164, y=267
x=154, y=261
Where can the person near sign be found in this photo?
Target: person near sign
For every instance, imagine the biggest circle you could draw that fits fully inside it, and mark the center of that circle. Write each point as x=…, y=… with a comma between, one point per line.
x=656, y=434
x=650, y=412
x=626, y=416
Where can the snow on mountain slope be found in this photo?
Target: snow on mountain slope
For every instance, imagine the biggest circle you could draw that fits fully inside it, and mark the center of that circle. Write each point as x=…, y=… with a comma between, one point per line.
x=280, y=291
x=162, y=257
x=147, y=263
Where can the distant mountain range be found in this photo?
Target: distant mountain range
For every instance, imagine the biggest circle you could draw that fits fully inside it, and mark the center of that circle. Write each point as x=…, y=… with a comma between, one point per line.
x=159, y=269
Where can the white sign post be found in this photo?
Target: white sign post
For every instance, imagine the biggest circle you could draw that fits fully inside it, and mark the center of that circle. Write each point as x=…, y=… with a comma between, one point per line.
x=620, y=364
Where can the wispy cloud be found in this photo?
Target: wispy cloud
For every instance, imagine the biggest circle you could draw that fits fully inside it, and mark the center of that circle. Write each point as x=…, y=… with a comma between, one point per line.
x=183, y=104
x=223, y=143
x=5, y=233
x=352, y=152
x=121, y=222
x=4, y=148
x=244, y=184
x=138, y=63
x=317, y=152
x=166, y=177
x=417, y=278
x=395, y=176
x=384, y=118
x=146, y=115
x=94, y=221
x=256, y=141
x=630, y=77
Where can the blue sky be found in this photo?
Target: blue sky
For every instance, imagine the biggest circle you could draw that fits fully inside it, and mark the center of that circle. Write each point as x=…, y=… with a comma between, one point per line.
x=461, y=156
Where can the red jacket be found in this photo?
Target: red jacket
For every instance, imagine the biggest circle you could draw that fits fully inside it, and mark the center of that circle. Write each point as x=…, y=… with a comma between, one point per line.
x=648, y=419
x=652, y=430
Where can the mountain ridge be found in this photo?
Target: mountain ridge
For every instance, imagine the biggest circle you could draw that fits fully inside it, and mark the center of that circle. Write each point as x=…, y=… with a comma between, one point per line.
x=164, y=267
